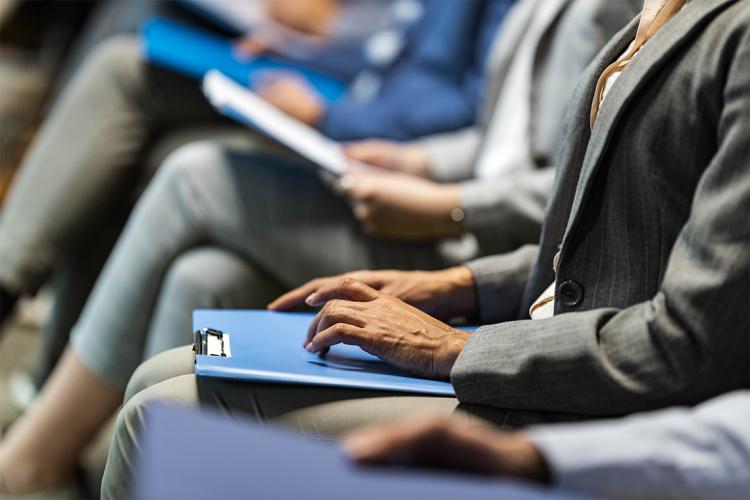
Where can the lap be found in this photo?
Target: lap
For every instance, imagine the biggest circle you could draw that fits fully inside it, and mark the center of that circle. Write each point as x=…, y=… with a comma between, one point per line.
x=324, y=411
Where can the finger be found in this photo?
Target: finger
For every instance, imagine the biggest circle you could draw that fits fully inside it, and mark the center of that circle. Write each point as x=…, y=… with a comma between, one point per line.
x=296, y=297
x=335, y=311
x=346, y=288
x=340, y=333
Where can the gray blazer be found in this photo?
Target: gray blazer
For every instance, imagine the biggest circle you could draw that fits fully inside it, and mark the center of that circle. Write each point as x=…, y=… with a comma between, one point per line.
x=650, y=211
x=570, y=41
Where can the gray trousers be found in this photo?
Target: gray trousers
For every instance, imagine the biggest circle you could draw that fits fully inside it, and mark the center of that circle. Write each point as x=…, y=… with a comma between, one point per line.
x=273, y=212
x=317, y=412
x=77, y=184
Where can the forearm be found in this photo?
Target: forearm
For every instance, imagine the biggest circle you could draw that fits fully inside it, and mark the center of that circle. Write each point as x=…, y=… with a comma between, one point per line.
x=506, y=212
x=677, y=453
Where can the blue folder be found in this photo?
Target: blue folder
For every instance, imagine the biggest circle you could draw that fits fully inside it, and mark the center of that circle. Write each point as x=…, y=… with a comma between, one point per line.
x=197, y=456
x=267, y=347
x=194, y=52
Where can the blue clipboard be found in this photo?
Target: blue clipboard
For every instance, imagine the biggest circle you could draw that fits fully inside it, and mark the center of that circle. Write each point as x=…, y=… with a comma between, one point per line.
x=266, y=346
x=190, y=455
x=194, y=52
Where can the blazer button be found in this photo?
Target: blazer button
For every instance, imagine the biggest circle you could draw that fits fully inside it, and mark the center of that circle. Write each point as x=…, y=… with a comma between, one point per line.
x=570, y=293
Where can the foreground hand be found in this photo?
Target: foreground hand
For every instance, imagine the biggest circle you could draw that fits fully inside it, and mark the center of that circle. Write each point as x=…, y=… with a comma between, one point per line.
x=383, y=326
x=408, y=158
x=444, y=294
x=398, y=206
x=292, y=96
x=448, y=444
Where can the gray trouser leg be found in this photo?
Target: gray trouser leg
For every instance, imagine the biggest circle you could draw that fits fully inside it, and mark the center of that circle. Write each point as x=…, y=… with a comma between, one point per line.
x=204, y=278
x=315, y=411
x=85, y=161
x=269, y=210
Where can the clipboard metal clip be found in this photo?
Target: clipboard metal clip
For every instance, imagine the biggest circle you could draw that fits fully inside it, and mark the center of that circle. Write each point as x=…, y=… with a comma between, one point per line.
x=211, y=342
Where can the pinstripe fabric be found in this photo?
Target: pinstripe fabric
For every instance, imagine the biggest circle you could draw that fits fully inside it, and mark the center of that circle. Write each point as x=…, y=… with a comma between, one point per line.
x=652, y=211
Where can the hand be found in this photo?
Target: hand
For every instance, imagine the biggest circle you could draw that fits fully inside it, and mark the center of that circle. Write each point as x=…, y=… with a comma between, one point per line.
x=262, y=40
x=397, y=206
x=408, y=158
x=448, y=444
x=384, y=326
x=311, y=17
x=444, y=294
x=292, y=96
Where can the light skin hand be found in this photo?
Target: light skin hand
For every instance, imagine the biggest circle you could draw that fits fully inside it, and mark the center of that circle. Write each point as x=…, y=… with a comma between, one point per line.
x=453, y=444
x=405, y=157
x=443, y=294
x=393, y=205
x=383, y=326
x=293, y=96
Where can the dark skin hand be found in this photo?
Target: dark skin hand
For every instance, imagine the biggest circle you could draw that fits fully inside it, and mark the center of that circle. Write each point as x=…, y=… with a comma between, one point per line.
x=444, y=294
x=452, y=444
x=384, y=326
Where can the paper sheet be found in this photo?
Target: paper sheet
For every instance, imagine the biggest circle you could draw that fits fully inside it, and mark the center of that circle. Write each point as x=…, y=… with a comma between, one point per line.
x=246, y=106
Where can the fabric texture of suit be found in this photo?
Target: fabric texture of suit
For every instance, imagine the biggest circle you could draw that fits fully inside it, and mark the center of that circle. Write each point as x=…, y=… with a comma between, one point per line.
x=569, y=43
x=650, y=213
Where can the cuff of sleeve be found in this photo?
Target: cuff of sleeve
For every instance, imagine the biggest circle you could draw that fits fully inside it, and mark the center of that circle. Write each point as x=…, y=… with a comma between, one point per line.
x=500, y=281
x=599, y=458
x=449, y=162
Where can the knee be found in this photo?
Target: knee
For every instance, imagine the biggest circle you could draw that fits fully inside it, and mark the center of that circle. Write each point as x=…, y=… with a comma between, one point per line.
x=118, y=59
x=196, y=279
x=193, y=160
x=162, y=367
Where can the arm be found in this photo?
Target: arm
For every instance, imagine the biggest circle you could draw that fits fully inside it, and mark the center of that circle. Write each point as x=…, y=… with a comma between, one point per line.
x=669, y=350
x=451, y=155
x=507, y=212
x=677, y=453
x=442, y=80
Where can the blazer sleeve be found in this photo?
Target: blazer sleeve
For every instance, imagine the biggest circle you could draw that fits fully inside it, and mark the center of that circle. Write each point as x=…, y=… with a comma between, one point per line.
x=451, y=155
x=499, y=282
x=678, y=453
x=672, y=349
x=507, y=212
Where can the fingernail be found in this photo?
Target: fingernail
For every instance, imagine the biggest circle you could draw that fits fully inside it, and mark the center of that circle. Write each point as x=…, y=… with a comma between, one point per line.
x=311, y=299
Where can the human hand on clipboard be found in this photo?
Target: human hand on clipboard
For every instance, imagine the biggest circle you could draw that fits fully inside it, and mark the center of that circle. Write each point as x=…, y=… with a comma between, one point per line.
x=384, y=326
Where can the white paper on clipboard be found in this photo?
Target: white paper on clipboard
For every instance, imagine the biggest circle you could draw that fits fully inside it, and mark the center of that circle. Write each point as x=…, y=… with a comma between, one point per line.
x=246, y=106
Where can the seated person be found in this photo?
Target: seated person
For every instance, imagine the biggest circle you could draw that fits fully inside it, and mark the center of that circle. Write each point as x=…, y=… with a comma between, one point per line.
x=96, y=141
x=644, y=237
x=261, y=230
x=701, y=452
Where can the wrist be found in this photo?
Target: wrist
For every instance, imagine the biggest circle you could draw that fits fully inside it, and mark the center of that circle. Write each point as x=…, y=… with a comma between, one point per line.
x=448, y=222
x=526, y=461
x=461, y=294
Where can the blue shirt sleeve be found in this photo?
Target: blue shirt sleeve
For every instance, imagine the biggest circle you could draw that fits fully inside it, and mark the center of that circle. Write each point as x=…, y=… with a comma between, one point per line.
x=436, y=87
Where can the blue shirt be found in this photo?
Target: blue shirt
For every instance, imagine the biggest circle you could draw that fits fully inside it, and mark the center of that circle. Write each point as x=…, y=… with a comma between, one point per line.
x=436, y=85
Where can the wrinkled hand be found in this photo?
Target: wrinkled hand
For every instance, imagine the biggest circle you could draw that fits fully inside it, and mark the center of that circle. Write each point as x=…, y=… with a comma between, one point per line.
x=384, y=326
x=397, y=206
x=293, y=96
x=449, y=444
x=408, y=158
x=444, y=294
